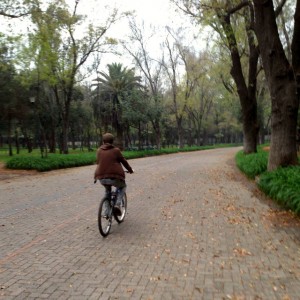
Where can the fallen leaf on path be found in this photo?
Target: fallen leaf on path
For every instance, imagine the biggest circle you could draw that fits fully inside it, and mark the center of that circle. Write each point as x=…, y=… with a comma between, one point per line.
x=239, y=220
x=241, y=252
x=237, y=297
x=282, y=218
x=190, y=235
x=230, y=207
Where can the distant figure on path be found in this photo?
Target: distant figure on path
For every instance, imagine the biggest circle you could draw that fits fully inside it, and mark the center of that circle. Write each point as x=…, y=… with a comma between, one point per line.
x=109, y=168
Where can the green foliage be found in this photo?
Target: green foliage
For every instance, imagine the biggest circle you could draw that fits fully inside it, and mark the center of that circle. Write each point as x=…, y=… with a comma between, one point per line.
x=252, y=164
x=117, y=95
x=52, y=162
x=59, y=161
x=283, y=186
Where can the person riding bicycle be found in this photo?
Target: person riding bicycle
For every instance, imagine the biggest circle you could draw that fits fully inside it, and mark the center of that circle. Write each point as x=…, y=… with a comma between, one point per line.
x=109, y=169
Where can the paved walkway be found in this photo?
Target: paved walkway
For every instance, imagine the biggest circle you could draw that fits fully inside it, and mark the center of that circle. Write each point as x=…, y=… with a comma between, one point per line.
x=196, y=229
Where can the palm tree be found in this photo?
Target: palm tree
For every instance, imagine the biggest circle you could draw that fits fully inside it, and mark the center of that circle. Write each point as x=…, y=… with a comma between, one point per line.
x=116, y=86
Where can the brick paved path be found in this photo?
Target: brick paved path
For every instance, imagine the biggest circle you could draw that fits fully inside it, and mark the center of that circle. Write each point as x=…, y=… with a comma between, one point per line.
x=196, y=229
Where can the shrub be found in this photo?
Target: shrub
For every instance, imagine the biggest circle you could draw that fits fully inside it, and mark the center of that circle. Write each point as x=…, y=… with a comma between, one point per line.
x=52, y=162
x=58, y=161
x=252, y=164
x=283, y=186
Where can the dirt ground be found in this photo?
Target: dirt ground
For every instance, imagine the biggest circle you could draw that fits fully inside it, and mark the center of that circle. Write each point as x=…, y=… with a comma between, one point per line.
x=9, y=173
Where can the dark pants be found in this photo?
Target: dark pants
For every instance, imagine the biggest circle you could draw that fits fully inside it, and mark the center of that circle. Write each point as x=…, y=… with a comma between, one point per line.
x=118, y=183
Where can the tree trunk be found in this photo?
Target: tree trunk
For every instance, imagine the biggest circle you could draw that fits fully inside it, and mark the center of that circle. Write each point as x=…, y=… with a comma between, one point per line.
x=17, y=142
x=9, y=138
x=296, y=47
x=190, y=140
x=157, y=130
x=180, y=133
x=52, y=140
x=28, y=142
x=139, y=136
x=63, y=101
x=65, y=136
x=247, y=95
x=158, y=136
x=282, y=86
x=65, y=123
x=119, y=136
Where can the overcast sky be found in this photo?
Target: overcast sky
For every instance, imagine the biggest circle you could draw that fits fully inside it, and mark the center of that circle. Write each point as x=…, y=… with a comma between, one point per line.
x=158, y=13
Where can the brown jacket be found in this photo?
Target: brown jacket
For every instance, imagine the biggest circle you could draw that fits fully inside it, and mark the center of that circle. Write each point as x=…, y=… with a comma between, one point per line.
x=109, y=160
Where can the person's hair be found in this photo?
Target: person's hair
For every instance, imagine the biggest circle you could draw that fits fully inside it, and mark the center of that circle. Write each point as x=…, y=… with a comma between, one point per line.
x=108, y=138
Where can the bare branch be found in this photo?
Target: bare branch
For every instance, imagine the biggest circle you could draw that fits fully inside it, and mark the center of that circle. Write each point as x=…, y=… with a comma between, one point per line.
x=238, y=7
x=279, y=8
x=75, y=7
x=4, y=14
x=227, y=85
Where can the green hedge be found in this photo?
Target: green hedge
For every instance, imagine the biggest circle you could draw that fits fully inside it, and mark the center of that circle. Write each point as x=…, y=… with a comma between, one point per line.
x=282, y=185
x=252, y=164
x=52, y=162
x=59, y=161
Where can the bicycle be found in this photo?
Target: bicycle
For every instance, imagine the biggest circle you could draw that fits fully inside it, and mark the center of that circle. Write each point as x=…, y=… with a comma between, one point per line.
x=106, y=212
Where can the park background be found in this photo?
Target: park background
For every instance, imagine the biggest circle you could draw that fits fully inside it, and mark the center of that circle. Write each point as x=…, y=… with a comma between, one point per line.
x=184, y=77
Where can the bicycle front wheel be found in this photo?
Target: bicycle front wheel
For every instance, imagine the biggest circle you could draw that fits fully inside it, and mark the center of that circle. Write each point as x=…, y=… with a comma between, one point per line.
x=104, y=217
x=120, y=218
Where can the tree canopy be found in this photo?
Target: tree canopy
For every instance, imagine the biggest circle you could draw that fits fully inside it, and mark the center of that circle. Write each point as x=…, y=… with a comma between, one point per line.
x=227, y=90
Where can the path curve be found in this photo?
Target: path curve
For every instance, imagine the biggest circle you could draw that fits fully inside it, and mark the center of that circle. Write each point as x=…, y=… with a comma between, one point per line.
x=196, y=229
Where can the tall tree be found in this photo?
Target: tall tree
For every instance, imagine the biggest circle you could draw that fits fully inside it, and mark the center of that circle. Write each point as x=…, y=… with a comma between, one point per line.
x=221, y=16
x=283, y=81
x=60, y=53
x=206, y=95
x=115, y=86
x=152, y=73
x=171, y=66
x=12, y=98
x=180, y=58
x=136, y=114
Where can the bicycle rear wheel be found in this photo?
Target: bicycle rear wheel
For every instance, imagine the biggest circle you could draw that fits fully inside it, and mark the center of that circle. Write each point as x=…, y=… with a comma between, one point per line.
x=121, y=218
x=104, y=217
